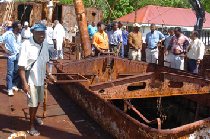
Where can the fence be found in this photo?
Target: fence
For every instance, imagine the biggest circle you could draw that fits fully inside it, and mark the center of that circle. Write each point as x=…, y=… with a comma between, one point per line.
x=205, y=36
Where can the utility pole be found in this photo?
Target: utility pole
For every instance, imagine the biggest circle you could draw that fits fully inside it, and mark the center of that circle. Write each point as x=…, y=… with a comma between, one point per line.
x=136, y=9
x=82, y=23
x=50, y=10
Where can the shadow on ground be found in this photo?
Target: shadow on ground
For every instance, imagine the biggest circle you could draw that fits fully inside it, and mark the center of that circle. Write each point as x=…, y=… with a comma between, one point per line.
x=86, y=126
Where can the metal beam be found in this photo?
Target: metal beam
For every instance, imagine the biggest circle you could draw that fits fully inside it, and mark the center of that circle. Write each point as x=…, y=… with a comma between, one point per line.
x=118, y=123
x=185, y=78
x=146, y=86
x=122, y=81
x=117, y=93
x=157, y=120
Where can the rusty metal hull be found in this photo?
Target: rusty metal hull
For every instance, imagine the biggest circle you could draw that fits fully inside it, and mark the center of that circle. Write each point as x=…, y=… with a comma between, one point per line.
x=119, y=124
x=111, y=77
x=93, y=82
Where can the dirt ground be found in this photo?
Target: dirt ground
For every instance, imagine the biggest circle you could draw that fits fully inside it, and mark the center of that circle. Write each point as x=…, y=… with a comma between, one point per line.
x=65, y=120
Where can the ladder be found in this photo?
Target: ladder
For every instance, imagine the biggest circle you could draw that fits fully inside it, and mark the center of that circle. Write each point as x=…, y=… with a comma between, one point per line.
x=9, y=10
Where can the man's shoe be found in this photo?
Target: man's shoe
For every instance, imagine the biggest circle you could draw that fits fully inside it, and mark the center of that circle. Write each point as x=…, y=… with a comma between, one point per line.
x=15, y=88
x=10, y=92
x=39, y=121
x=33, y=132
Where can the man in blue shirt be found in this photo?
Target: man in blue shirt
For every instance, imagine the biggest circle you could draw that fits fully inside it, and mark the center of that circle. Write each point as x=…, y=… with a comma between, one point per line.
x=115, y=39
x=92, y=29
x=168, y=53
x=124, y=48
x=12, y=41
x=153, y=38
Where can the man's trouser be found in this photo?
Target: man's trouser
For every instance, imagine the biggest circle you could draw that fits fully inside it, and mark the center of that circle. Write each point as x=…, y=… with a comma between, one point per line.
x=135, y=54
x=12, y=78
x=192, y=66
x=113, y=48
x=122, y=51
x=126, y=51
x=36, y=95
x=52, y=52
x=59, y=49
x=177, y=62
x=167, y=59
x=59, y=54
x=152, y=55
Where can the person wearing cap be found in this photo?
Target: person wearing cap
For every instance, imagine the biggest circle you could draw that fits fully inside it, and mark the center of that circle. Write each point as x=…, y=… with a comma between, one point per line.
x=178, y=46
x=12, y=41
x=135, y=43
x=32, y=69
x=58, y=39
x=153, y=38
x=26, y=33
x=115, y=38
x=100, y=40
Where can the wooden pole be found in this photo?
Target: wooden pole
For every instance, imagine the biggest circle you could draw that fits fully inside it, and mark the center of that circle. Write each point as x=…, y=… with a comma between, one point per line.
x=45, y=100
x=82, y=22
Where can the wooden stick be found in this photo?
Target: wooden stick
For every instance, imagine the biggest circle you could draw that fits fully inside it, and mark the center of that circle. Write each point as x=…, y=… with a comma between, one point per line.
x=45, y=101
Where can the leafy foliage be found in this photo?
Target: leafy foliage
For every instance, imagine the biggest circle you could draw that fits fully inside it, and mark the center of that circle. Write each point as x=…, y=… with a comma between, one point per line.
x=123, y=7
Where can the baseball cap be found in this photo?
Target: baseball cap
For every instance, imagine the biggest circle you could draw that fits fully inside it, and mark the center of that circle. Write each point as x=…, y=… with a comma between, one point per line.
x=136, y=25
x=38, y=27
x=25, y=23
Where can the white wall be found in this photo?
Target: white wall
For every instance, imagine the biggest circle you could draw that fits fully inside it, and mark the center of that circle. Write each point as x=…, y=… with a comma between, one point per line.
x=144, y=30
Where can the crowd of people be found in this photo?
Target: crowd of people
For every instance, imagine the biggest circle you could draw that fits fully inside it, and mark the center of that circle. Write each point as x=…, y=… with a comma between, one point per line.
x=16, y=34
x=28, y=50
x=117, y=39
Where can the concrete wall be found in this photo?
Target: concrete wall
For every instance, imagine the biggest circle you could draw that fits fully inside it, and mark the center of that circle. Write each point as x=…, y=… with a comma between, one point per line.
x=69, y=16
x=70, y=22
x=36, y=12
x=40, y=11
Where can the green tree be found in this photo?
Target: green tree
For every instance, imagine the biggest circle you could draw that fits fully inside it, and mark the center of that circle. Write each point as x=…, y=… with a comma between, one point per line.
x=118, y=8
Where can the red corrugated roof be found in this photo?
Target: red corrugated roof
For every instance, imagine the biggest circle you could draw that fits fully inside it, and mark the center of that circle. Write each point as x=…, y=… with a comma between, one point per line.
x=164, y=15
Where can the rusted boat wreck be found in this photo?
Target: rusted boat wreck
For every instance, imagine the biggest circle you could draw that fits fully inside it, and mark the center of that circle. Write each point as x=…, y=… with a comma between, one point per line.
x=121, y=95
x=132, y=99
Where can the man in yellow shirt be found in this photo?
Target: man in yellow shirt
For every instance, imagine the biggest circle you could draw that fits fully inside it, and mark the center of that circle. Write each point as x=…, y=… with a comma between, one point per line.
x=100, y=40
x=135, y=43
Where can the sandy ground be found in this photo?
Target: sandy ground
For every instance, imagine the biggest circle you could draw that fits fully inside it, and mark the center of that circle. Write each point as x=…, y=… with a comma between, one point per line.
x=65, y=120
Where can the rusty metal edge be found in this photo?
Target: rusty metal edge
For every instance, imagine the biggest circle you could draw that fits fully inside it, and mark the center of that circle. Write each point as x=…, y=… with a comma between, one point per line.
x=117, y=122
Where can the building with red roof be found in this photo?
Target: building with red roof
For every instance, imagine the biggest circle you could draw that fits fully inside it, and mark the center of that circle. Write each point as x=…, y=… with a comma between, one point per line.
x=163, y=17
x=166, y=16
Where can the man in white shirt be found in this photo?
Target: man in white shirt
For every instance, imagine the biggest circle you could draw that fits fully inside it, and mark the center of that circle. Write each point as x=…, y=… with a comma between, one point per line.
x=58, y=39
x=26, y=33
x=49, y=38
x=32, y=68
x=195, y=53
